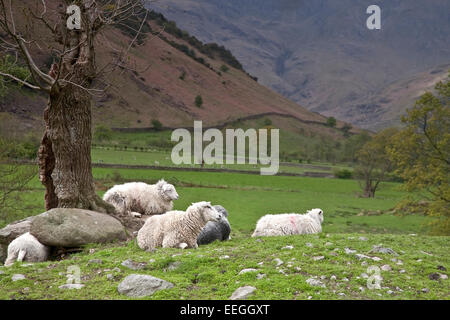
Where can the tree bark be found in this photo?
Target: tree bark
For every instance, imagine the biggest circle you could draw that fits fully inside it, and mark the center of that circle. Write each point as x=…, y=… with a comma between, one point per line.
x=65, y=152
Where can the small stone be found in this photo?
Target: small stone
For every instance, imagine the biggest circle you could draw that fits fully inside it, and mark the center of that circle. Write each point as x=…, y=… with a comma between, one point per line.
x=333, y=277
x=443, y=276
x=328, y=244
x=402, y=271
x=399, y=263
x=71, y=286
x=364, y=263
x=224, y=257
x=349, y=251
x=260, y=263
x=278, y=261
x=334, y=254
x=318, y=258
x=309, y=297
x=361, y=256
x=91, y=251
x=315, y=282
x=116, y=269
x=363, y=238
x=323, y=277
x=173, y=265
x=247, y=270
x=95, y=261
x=380, y=249
x=390, y=292
x=425, y=290
x=386, y=267
x=260, y=276
x=289, y=247
x=298, y=268
x=362, y=289
x=345, y=279
x=242, y=293
x=341, y=294
x=109, y=276
x=18, y=277
x=419, y=260
x=151, y=261
x=434, y=276
x=138, y=286
x=364, y=275
x=376, y=259
x=134, y=265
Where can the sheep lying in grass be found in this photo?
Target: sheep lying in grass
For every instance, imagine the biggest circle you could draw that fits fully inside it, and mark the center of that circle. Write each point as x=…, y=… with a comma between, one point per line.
x=177, y=229
x=219, y=230
x=26, y=248
x=138, y=198
x=289, y=224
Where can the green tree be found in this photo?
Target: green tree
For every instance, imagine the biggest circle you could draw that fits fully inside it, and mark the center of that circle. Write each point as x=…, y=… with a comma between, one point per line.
x=157, y=125
x=421, y=153
x=374, y=162
x=346, y=129
x=331, y=122
x=224, y=68
x=102, y=133
x=8, y=65
x=199, y=101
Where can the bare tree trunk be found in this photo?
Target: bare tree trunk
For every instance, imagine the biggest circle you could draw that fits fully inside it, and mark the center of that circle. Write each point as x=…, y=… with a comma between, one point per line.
x=65, y=152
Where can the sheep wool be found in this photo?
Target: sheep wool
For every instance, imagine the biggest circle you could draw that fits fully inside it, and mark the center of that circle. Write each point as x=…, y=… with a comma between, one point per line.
x=289, y=224
x=138, y=198
x=26, y=248
x=176, y=229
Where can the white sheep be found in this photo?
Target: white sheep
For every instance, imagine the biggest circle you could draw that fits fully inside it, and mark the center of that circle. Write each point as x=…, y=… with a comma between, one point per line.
x=26, y=248
x=289, y=224
x=137, y=198
x=177, y=229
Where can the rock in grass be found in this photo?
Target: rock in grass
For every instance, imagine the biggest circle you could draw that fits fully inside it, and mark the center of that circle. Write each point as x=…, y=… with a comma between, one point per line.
x=247, y=271
x=95, y=261
x=278, y=261
x=315, y=283
x=318, y=258
x=14, y=230
x=63, y=227
x=71, y=286
x=133, y=265
x=386, y=267
x=242, y=293
x=380, y=249
x=18, y=277
x=138, y=286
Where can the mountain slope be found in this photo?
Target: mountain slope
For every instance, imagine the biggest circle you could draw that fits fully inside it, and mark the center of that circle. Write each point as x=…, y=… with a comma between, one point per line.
x=170, y=72
x=320, y=53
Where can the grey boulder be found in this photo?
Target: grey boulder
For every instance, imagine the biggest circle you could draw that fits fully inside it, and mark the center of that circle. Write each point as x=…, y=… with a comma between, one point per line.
x=242, y=293
x=15, y=230
x=139, y=286
x=63, y=227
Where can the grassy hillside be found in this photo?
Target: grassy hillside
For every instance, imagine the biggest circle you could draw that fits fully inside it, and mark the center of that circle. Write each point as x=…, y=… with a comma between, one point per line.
x=212, y=271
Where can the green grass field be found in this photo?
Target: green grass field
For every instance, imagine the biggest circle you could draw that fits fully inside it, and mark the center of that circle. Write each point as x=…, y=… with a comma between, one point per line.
x=202, y=274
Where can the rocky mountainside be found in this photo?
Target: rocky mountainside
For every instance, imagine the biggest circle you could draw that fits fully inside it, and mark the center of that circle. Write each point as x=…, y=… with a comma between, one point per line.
x=168, y=72
x=320, y=53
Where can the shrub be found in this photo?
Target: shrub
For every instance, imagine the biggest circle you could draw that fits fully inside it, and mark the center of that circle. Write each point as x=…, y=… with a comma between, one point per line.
x=343, y=174
x=331, y=122
x=199, y=101
x=224, y=68
x=157, y=125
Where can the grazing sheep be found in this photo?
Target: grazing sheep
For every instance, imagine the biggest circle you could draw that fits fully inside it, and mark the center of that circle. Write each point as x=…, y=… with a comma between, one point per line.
x=177, y=229
x=289, y=223
x=219, y=230
x=138, y=198
x=26, y=248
